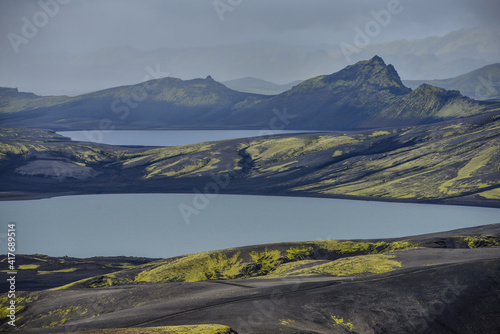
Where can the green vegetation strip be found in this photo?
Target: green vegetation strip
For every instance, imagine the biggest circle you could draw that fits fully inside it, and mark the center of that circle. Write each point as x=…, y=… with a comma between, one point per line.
x=66, y=270
x=349, y=266
x=192, y=329
x=482, y=241
x=28, y=266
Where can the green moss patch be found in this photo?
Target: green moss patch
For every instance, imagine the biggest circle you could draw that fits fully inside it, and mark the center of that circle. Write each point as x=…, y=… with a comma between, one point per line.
x=189, y=329
x=196, y=267
x=28, y=266
x=349, y=266
x=482, y=241
x=66, y=270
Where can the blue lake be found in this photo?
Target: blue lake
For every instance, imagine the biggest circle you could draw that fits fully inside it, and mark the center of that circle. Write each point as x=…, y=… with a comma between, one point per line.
x=152, y=224
x=166, y=137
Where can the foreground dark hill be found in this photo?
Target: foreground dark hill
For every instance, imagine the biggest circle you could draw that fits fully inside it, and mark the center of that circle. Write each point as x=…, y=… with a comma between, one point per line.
x=40, y=272
x=454, y=162
x=368, y=94
x=480, y=84
x=447, y=282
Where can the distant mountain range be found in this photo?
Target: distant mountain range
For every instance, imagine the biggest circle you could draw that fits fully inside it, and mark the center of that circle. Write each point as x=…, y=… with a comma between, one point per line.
x=480, y=84
x=368, y=94
x=259, y=86
x=434, y=57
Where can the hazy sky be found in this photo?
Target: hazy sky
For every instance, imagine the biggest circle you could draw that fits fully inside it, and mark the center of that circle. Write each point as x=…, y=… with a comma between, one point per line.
x=89, y=25
x=61, y=46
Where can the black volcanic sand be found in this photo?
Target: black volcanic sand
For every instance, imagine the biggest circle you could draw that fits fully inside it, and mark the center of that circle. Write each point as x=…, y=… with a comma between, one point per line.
x=437, y=290
x=64, y=270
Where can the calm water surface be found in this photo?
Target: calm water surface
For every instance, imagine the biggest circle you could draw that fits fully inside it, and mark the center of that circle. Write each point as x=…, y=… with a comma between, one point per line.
x=166, y=137
x=152, y=225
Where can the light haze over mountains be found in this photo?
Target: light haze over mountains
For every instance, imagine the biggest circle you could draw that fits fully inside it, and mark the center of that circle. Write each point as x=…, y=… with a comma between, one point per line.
x=73, y=54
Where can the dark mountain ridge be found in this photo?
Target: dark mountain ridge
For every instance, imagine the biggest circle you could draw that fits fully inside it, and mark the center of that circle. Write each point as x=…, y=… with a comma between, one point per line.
x=367, y=94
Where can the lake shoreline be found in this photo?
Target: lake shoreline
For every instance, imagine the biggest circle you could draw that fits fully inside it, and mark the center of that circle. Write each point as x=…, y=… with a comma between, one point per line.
x=26, y=196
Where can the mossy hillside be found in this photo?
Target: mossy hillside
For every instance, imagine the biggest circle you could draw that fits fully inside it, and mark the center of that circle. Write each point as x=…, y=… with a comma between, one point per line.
x=196, y=267
x=229, y=264
x=30, y=144
x=349, y=266
x=11, y=100
x=450, y=161
x=186, y=329
x=285, y=269
x=491, y=194
x=482, y=241
x=480, y=160
x=441, y=163
x=23, y=301
x=428, y=101
x=232, y=264
x=271, y=151
x=266, y=261
x=185, y=161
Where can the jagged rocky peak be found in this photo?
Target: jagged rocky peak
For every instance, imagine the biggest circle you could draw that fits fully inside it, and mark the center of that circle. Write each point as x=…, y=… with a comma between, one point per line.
x=372, y=74
x=367, y=75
